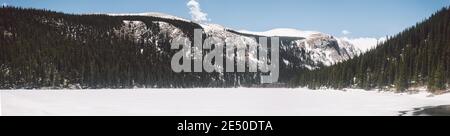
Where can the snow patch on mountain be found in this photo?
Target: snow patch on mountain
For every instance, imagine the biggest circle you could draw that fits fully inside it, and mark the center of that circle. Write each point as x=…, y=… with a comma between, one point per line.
x=139, y=31
x=232, y=39
x=364, y=43
x=216, y=30
x=170, y=29
x=326, y=50
x=283, y=32
x=152, y=14
x=135, y=29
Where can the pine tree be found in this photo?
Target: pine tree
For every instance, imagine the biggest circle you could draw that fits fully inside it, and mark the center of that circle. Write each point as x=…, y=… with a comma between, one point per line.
x=402, y=81
x=438, y=80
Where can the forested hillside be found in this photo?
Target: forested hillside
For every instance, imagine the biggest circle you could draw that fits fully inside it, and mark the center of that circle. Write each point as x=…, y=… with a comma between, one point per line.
x=46, y=49
x=418, y=56
x=41, y=48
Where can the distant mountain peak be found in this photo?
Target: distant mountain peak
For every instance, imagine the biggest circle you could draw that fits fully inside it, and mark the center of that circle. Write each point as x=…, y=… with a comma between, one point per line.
x=319, y=48
x=284, y=32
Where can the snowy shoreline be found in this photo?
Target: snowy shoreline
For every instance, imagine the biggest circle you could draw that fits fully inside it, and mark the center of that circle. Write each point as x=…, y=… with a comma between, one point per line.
x=214, y=102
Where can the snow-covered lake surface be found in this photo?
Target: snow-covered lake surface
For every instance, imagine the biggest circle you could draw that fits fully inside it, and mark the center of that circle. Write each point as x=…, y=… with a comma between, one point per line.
x=232, y=102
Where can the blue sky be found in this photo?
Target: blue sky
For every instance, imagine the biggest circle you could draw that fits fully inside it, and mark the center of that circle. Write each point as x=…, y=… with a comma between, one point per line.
x=361, y=18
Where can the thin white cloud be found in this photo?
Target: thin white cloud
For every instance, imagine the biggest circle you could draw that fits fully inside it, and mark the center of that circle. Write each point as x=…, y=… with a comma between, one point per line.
x=196, y=12
x=4, y=5
x=346, y=32
x=364, y=43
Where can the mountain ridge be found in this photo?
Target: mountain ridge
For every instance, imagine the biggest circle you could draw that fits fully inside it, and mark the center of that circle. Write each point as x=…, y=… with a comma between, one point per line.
x=43, y=48
x=279, y=32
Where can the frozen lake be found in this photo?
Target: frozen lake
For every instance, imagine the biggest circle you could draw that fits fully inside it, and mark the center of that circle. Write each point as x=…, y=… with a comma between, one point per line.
x=233, y=102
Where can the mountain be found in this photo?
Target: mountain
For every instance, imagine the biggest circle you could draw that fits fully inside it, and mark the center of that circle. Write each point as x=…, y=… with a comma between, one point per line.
x=41, y=48
x=361, y=44
x=320, y=48
x=417, y=57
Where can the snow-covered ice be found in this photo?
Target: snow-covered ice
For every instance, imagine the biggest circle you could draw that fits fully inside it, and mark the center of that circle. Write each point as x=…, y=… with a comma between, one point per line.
x=240, y=101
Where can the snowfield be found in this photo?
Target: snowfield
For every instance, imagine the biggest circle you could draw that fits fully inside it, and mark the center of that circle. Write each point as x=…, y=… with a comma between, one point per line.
x=236, y=101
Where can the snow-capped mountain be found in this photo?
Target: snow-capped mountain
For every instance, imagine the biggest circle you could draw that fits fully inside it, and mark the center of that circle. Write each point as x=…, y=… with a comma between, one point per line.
x=298, y=49
x=283, y=32
x=320, y=48
x=301, y=49
x=127, y=50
